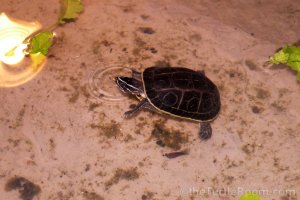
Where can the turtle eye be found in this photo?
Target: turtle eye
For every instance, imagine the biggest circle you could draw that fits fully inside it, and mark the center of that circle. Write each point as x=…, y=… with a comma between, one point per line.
x=139, y=96
x=122, y=84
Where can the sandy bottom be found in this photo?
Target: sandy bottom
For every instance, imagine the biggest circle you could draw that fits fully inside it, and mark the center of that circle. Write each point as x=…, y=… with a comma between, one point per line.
x=59, y=142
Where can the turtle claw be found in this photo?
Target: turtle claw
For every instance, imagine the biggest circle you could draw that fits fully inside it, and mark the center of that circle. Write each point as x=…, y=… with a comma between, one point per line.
x=205, y=131
x=129, y=113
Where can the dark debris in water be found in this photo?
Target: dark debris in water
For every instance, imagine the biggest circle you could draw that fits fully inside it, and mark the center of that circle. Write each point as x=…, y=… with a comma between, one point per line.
x=147, y=196
x=151, y=49
x=249, y=148
x=147, y=30
x=176, y=154
x=257, y=109
x=93, y=106
x=26, y=188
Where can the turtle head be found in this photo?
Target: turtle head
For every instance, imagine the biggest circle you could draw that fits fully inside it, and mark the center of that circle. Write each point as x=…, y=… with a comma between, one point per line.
x=129, y=85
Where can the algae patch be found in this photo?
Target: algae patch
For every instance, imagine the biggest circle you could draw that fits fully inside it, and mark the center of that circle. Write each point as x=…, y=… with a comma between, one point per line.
x=262, y=93
x=122, y=174
x=19, y=118
x=147, y=196
x=169, y=138
x=110, y=129
x=26, y=188
x=91, y=196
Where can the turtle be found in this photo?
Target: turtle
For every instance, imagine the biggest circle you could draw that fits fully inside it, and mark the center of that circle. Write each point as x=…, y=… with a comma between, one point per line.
x=176, y=91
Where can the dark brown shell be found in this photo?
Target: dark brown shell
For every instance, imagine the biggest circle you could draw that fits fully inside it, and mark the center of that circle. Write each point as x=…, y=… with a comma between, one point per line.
x=182, y=92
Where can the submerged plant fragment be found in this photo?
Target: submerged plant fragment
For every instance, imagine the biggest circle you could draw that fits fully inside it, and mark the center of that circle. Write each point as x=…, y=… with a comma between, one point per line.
x=289, y=55
x=70, y=9
x=41, y=43
x=250, y=196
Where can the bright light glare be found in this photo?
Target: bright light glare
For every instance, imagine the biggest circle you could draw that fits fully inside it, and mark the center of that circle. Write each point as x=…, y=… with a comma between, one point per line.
x=15, y=68
x=17, y=55
x=12, y=35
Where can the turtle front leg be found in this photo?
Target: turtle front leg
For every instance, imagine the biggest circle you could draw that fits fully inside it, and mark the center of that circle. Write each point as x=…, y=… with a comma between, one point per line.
x=205, y=130
x=143, y=103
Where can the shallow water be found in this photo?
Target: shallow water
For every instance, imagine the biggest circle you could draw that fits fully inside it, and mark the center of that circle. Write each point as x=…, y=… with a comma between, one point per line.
x=71, y=145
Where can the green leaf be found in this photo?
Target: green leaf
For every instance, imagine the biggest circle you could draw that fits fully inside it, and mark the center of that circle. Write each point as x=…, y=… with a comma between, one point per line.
x=292, y=50
x=289, y=55
x=40, y=43
x=279, y=57
x=37, y=59
x=298, y=76
x=250, y=196
x=294, y=64
x=294, y=61
x=70, y=9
